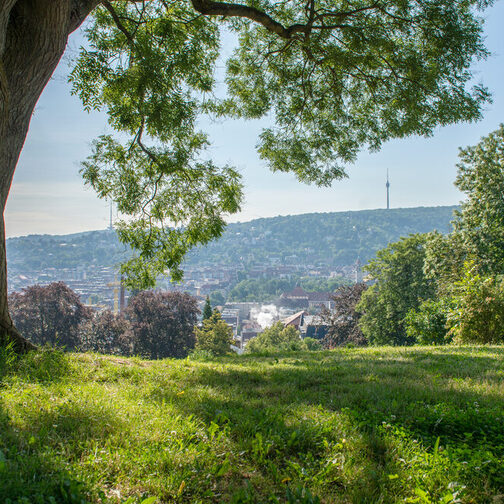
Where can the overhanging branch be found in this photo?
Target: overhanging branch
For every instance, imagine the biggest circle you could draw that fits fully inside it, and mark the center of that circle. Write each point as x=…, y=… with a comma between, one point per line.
x=211, y=8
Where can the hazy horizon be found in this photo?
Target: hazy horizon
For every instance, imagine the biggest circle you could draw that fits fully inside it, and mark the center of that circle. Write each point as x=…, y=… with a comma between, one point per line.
x=247, y=221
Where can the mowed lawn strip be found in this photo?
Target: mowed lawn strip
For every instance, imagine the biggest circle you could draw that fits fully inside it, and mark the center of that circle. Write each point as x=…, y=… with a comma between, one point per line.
x=375, y=425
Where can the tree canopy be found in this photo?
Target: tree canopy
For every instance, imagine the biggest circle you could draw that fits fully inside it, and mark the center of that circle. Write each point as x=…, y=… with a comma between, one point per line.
x=276, y=338
x=49, y=315
x=162, y=323
x=343, y=320
x=480, y=221
x=399, y=286
x=214, y=336
x=335, y=77
x=478, y=227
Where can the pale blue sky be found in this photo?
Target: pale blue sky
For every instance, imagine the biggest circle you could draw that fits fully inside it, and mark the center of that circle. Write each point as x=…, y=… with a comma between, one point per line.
x=48, y=195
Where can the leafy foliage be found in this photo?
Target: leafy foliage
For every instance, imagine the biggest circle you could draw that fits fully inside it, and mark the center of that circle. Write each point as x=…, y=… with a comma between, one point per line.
x=217, y=298
x=207, y=309
x=467, y=264
x=444, y=260
x=336, y=77
x=49, y=315
x=480, y=221
x=478, y=229
x=399, y=286
x=215, y=336
x=170, y=197
x=312, y=344
x=343, y=320
x=477, y=315
x=276, y=338
x=428, y=323
x=106, y=333
x=162, y=323
x=359, y=74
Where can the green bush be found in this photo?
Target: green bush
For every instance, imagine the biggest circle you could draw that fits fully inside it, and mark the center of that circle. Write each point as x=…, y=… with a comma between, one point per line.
x=428, y=324
x=215, y=336
x=276, y=338
x=312, y=344
x=477, y=315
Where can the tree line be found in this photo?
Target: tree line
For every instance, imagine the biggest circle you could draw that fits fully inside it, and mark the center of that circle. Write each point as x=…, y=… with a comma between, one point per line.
x=154, y=325
x=423, y=289
x=433, y=288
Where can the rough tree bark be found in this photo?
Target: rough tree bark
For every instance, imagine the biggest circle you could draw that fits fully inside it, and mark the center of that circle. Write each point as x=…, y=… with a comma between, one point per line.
x=33, y=37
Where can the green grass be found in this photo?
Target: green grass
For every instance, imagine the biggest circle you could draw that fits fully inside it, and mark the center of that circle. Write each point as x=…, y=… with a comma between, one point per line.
x=379, y=425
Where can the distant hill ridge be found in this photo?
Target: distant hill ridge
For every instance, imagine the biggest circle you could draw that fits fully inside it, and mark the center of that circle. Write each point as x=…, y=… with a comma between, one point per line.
x=335, y=238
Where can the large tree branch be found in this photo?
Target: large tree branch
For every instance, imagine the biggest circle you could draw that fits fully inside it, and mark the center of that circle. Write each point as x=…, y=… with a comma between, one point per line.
x=118, y=22
x=79, y=10
x=208, y=7
x=211, y=8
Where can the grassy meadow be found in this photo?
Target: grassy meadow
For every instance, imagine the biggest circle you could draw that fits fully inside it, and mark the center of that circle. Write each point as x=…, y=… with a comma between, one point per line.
x=375, y=425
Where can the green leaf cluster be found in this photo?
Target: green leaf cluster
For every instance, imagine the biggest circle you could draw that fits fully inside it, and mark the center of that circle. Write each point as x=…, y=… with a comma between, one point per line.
x=207, y=309
x=215, y=336
x=399, y=286
x=151, y=73
x=477, y=315
x=462, y=270
x=275, y=339
x=428, y=324
x=480, y=221
x=365, y=73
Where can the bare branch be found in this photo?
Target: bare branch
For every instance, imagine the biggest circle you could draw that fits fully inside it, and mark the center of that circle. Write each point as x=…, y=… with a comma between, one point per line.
x=211, y=8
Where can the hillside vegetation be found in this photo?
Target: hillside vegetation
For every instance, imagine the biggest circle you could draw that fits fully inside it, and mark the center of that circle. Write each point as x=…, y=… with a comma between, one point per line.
x=334, y=239
x=375, y=425
x=337, y=238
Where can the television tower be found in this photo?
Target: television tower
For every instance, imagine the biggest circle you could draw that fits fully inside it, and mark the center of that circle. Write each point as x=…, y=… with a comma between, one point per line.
x=387, y=185
x=111, y=224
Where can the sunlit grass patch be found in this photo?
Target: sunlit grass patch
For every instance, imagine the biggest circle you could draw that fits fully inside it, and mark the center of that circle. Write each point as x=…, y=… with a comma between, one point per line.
x=354, y=425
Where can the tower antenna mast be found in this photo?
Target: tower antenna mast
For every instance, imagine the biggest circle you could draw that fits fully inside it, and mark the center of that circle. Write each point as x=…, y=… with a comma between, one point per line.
x=388, y=192
x=111, y=226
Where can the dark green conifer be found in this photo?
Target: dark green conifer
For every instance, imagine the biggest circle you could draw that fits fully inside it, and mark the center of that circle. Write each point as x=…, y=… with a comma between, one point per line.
x=207, y=310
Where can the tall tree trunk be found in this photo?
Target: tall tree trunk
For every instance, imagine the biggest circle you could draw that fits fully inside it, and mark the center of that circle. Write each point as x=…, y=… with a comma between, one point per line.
x=8, y=332
x=33, y=37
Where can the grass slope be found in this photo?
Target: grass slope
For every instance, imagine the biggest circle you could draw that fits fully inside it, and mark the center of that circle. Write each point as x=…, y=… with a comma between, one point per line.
x=379, y=425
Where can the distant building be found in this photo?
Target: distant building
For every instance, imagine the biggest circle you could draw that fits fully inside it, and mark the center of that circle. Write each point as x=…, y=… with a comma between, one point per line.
x=232, y=319
x=250, y=330
x=299, y=297
x=313, y=328
x=295, y=320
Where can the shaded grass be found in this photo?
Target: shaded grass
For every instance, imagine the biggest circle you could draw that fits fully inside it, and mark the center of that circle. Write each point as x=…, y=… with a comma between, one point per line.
x=378, y=425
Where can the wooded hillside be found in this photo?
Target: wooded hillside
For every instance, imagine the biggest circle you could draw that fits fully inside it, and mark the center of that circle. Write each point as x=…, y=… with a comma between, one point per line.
x=336, y=238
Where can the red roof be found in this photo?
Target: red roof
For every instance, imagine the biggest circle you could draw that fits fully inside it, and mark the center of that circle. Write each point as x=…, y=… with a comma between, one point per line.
x=297, y=292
